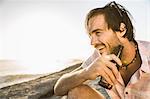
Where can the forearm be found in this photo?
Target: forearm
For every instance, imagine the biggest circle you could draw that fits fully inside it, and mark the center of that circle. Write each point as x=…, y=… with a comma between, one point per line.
x=69, y=81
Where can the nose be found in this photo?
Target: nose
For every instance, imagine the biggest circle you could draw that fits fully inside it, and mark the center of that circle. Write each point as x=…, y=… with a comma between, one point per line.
x=94, y=40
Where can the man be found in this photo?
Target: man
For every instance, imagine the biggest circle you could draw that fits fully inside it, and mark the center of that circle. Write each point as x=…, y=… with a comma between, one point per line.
x=125, y=70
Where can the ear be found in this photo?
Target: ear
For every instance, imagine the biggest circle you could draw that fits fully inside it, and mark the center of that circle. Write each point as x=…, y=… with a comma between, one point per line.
x=122, y=31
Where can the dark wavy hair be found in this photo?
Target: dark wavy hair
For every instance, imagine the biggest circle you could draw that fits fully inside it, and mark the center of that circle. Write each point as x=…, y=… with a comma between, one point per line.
x=114, y=15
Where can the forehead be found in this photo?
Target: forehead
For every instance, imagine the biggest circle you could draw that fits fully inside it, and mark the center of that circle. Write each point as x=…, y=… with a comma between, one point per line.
x=97, y=22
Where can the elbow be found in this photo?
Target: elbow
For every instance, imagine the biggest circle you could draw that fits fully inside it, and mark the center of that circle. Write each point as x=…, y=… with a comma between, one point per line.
x=61, y=87
x=58, y=90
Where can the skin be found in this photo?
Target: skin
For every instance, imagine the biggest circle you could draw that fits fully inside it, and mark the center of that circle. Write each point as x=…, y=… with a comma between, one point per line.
x=104, y=40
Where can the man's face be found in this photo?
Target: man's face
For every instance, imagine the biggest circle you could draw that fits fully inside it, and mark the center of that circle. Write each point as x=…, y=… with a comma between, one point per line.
x=102, y=38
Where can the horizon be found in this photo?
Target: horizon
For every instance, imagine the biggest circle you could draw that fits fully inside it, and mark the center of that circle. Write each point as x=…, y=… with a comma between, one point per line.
x=44, y=35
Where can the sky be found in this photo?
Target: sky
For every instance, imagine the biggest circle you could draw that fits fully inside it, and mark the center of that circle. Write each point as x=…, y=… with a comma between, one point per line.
x=44, y=35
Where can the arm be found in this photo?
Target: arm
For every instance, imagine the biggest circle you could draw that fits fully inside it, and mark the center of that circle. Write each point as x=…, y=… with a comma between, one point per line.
x=69, y=81
x=99, y=67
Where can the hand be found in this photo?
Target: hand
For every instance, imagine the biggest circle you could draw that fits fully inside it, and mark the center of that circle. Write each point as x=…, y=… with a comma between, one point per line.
x=103, y=66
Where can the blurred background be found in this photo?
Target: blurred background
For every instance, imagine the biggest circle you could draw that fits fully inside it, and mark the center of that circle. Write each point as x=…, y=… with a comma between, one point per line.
x=44, y=36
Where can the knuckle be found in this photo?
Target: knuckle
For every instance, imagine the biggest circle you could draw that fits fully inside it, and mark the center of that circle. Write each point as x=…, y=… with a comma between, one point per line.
x=113, y=55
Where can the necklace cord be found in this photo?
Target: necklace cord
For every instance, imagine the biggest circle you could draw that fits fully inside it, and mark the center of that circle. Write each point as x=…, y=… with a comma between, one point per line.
x=125, y=66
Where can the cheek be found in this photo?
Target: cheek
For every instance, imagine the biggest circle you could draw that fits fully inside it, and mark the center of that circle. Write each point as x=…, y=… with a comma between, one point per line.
x=113, y=38
x=106, y=38
x=110, y=41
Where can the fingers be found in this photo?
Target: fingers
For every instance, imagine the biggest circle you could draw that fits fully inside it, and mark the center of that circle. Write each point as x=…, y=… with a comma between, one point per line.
x=106, y=57
x=113, y=68
x=103, y=66
x=110, y=75
x=107, y=78
x=116, y=59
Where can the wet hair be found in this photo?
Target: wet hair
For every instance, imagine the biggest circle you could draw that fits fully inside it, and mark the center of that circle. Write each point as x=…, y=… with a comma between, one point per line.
x=115, y=14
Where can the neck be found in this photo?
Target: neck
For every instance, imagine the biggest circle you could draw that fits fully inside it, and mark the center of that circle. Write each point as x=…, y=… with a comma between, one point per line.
x=128, y=53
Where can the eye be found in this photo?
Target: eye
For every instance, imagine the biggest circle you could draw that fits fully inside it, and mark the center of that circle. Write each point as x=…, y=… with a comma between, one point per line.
x=98, y=33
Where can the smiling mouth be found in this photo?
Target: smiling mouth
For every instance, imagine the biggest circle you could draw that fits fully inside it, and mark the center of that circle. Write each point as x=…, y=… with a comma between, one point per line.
x=101, y=49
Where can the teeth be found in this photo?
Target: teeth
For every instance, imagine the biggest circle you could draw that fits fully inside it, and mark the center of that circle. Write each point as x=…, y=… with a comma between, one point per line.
x=100, y=47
